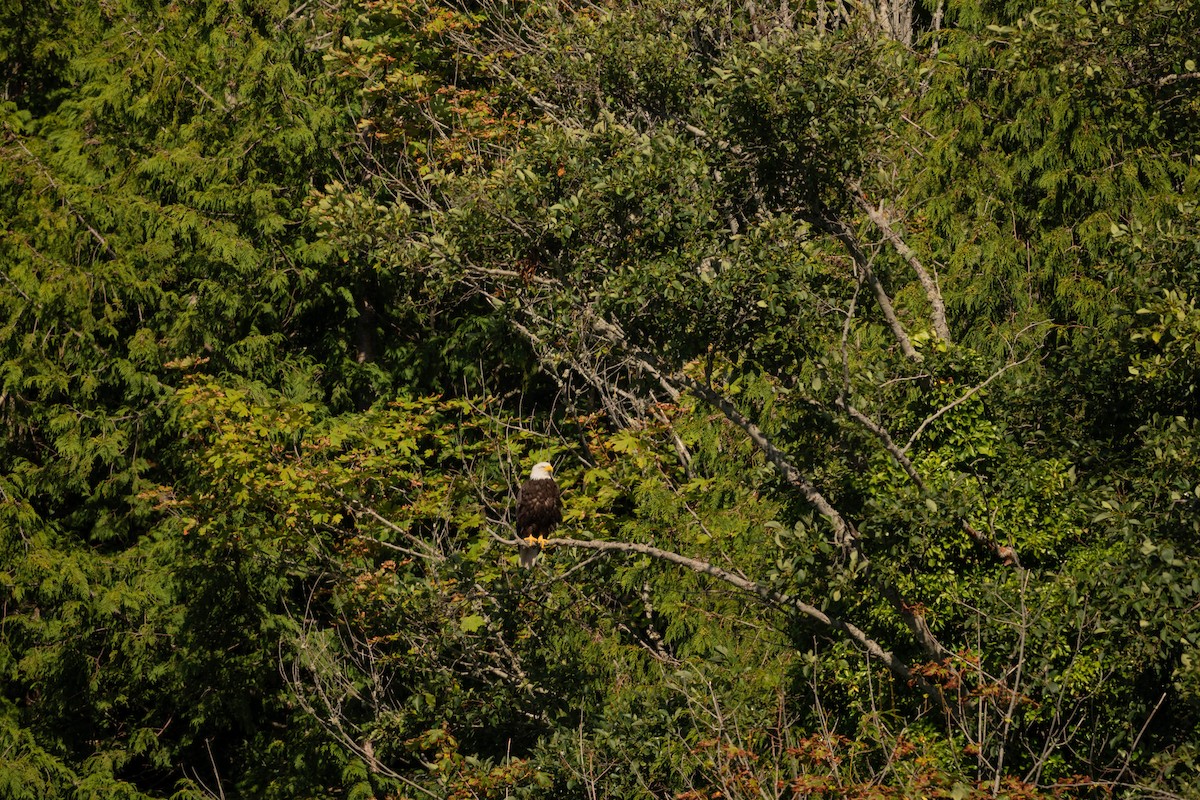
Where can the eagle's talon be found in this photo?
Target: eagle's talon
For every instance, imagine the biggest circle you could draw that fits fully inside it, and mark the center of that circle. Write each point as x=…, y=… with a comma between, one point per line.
x=541, y=540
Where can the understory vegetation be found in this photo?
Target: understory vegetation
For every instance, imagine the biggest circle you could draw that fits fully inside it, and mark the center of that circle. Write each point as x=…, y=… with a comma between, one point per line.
x=863, y=338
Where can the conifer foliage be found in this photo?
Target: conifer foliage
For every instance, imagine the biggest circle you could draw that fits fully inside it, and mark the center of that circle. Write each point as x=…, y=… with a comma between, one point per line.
x=154, y=162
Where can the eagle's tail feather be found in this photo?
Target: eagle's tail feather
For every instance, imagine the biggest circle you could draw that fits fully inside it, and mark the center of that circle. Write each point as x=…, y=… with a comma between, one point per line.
x=529, y=554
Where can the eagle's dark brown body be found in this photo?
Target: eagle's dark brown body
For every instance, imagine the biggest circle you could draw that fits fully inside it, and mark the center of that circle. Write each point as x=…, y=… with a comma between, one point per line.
x=539, y=510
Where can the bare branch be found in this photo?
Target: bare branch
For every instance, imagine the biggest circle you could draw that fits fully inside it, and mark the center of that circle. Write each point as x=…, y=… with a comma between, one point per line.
x=843, y=233
x=1138, y=738
x=681, y=450
x=938, y=13
x=608, y=391
x=508, y=273
x=187, y=78
x=1167, y=80
x=898, y=667
x=1015, y=692
x=928, y=282
x=357, y=506
x=960, y=400
x=845, y=534
x=395, y=547
x=845, y=349
x=1006, y=555
x=885, y=438
x=330, y=717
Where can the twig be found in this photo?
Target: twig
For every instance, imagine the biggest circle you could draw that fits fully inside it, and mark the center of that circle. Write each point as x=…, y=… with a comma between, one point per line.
x=1166, y=80
x=357, y=505
x=844, y=532
x=964, y=398
x=1015, y=691
x=65, y=197
x=1137, y=739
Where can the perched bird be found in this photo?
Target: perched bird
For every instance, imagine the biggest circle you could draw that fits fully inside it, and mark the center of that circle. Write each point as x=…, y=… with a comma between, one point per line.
x=539, y=509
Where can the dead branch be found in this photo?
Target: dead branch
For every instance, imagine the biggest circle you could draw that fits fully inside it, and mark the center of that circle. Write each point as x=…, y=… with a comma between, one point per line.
x=855, y=634
x=844, y=234
x=1006, y=555
x=960, y=400
x=681, y=450
x=845, y=534
x=928, y=282
x=63, y=194
x=357, y=506
x=1167, y=80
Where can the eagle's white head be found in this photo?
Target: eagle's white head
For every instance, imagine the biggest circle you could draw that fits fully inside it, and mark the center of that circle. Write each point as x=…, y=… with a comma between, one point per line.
x=542, y=471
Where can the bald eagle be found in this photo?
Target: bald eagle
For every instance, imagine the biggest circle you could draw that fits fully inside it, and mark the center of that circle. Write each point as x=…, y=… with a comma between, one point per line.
x=539, y=509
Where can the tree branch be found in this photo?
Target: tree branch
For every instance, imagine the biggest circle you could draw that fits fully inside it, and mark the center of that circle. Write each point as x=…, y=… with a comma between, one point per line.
x=1006, y=555
x=681, y=450
x=958, y=401
x=845, y=534
x=1167, y=80
x=355, y=506
x=928, y=282
x=855, y=634
x=63, y=195
x=842, y=232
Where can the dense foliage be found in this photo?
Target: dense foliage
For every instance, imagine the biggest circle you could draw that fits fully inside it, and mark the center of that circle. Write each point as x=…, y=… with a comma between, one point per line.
x=864, y=340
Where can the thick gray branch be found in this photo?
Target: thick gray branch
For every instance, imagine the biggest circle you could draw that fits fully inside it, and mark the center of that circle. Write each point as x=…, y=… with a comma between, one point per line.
x=844, y=531
x=928, y=283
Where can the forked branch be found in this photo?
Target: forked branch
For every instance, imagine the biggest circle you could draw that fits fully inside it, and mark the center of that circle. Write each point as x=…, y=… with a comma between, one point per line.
x=964, y=397
x=1006, y=555
x=844, y=531
x=844, y=234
